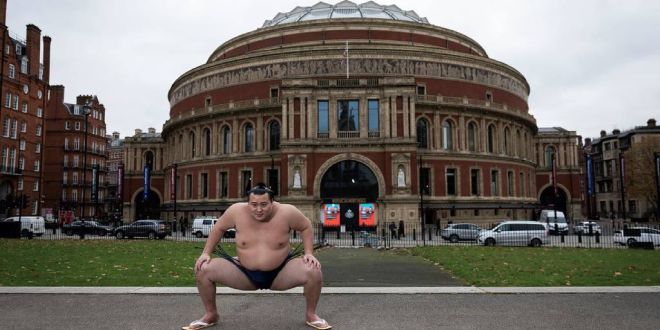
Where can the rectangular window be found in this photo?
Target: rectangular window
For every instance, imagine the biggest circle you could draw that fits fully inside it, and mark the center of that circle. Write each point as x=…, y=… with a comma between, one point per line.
x=25, y=107
x=74, y=195
x=323, y=117
x=38, y=130
x=494, y=183
x=204, y=181
x=5, y=127
x=12, y=71
x=65, y=177
x=21, y=163
x=273, y=181
x=14, y=128
x=421, y=90
x=35, y=186
x=451, y=182
x=75, y=160
x=23, y=127
x=37, y=148
x=7, y=100
x=223, y=185
x=20, y=184
x=632, y=206
x=77, y=126
x=274, y=92
x=37, y=164
x=67, y=125
x=74, y=178
x=474, y=181
x=189, y=186
x=373, y=108
x=15, y=102
x=40, y=112
x=246, y=177
x=348, y=115
x=510, y=183
x=425, y=180
x=21, y=145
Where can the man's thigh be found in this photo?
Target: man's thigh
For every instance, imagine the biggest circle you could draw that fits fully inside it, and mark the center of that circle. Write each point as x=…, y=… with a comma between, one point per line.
x=225, y=272
x=294, y=274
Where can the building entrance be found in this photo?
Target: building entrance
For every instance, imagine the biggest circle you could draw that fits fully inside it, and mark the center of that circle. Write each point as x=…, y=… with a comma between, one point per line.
x=349, y=190
x=147, y=209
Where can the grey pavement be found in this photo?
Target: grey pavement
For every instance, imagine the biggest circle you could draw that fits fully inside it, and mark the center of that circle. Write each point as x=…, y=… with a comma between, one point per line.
x=364, y=289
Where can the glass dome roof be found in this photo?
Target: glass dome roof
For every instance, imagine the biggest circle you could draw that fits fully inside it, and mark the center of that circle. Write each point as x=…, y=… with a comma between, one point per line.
x=345, y=9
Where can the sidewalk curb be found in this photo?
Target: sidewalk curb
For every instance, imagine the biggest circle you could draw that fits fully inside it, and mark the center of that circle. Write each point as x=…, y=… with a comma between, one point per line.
x=337, y=290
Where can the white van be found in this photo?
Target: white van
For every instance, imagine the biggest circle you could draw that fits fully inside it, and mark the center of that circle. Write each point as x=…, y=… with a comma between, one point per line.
x=202, y=226
x=518, y=233
x=30, y=225
x=548, y=218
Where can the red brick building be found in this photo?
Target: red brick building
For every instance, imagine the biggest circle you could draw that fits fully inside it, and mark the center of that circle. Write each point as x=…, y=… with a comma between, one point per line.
x=24, y=74
x=75, y=171
x=348, y=108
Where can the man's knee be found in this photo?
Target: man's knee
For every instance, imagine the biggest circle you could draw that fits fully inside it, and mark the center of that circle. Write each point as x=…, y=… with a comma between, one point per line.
x=313, y=274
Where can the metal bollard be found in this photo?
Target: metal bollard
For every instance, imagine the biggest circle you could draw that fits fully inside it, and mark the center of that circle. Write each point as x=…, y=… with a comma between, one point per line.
x=414, y=234
x=352, y=237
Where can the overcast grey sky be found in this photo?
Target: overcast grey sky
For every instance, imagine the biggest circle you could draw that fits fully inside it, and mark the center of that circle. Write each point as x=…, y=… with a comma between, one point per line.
x=591, y=64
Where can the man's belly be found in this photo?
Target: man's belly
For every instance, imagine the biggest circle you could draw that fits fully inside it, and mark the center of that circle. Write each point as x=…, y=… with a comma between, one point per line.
x=263, y=259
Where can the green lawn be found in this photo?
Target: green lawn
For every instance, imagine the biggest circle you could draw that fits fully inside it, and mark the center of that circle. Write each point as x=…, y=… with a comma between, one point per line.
x=521, y=266
x=168, y=263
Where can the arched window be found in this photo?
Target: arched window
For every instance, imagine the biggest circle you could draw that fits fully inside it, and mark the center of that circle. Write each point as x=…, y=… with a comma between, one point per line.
x=549, y=153
x=248, y=138
x=524, y=146
x=207, y=142
x=226, y=140
x=519, y=144
x=191, y=142
x=422, y=134
x=491, y=138
x=507, y=141
x=472, y=136
x=447, y=135
x=274, y=135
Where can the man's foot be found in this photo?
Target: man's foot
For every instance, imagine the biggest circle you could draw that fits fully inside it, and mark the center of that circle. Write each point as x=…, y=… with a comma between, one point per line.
x=198, y=324
x=320, y=324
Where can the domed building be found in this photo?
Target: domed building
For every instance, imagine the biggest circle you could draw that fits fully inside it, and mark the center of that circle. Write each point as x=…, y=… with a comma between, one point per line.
x=358, y=115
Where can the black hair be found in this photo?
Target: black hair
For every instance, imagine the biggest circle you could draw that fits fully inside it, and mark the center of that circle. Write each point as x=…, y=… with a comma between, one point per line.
x=260, y=189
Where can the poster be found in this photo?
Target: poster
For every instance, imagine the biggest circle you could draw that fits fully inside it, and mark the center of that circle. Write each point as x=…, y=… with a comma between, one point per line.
x=330, y=215
x=367, y=215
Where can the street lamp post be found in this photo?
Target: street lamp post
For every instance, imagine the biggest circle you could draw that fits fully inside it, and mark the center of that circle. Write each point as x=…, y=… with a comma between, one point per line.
x=86, y=111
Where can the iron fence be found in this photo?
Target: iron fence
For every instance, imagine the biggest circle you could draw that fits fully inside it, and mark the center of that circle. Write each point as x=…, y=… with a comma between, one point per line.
x=607, y=235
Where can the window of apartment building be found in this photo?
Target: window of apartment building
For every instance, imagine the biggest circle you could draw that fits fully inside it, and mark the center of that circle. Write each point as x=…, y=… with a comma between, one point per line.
x=24, y=64
x=425, y=180
x=7, y=100
x=509, y=179
x=76, y=144
x=21, y=145
x=475, y=175
x=77, y=125
x=65, y=177
x=66, y=143
x=549, y=156
x=421, y=90
x=374, y=122
x=224, y=182
x=274, y=135
x=23, y=126
x=6, y=125
x=248, y=138
x=189, y=186
x=422, y=133
x=494, y=183
x=40, y=112
x=204, y=185
x=12, y=157
x=348, y=115
x=74, y=195
x=14, y=104
x=14, y=130
x=274, y=181
x=323, y=118
x=632, y=206
x=274, y=92
x=451, y=181
x=35, y=186
x=607, y=146
x=447, y=135
x=19, y=184
x=24, y=107
x=12, y=71
x=246, y=182
x=75, y=161
x=64, y=195
x=19, y=49
x=37, y=148
x=37, y=165
x=67, y=125
x=21, y=163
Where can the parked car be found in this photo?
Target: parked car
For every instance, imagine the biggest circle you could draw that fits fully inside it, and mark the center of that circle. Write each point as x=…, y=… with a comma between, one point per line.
x=30, y=225
x=583, y=228
x=554, y=219
x=144, y=228
x=632, y=235
x=530, y=233
x=460, y=231
x=202, y=227
x=86, y=227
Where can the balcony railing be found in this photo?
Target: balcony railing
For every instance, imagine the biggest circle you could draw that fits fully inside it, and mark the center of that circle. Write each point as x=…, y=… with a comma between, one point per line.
x=348, y=134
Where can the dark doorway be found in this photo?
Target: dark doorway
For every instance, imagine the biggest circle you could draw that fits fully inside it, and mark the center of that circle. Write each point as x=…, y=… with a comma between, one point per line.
x=349, y=179
x=147, y=209
x=548, y=200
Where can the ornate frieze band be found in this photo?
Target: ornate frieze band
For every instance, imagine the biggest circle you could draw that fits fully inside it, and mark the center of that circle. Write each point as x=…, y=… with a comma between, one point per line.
x=358, y=66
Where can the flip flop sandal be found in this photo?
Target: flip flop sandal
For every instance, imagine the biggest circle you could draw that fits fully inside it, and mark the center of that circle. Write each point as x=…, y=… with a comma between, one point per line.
x=199, y=324
x=320, y=324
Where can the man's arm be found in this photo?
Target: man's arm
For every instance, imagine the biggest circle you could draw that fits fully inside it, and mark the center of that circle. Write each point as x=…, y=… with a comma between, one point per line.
x=303, y=225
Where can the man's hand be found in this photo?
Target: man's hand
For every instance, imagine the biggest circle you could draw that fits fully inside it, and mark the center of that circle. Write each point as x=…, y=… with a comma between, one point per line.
x=204, y=258
x=311, y=261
